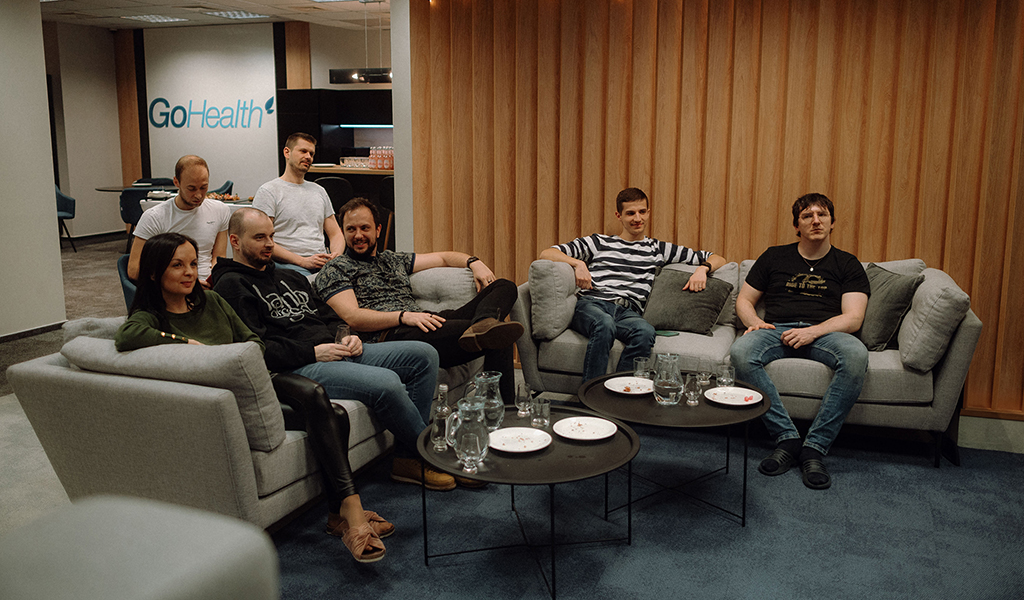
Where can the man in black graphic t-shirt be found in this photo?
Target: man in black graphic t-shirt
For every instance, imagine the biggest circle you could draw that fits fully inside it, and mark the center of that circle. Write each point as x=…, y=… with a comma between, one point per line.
x=814, y=296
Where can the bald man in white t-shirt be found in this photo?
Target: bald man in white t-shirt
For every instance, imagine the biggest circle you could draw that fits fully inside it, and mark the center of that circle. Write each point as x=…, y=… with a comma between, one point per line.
x=191, y=213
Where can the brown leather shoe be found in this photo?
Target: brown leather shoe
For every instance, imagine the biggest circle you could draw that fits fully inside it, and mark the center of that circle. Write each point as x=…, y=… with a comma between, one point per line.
x=407, y=470
x=490, y=334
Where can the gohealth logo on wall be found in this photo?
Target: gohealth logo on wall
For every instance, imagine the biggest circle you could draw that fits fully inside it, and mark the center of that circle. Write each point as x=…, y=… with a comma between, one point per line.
x=242, y=115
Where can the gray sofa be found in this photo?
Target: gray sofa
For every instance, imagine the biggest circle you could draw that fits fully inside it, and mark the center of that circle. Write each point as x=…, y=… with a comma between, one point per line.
x=196, y=426
x=916, y=368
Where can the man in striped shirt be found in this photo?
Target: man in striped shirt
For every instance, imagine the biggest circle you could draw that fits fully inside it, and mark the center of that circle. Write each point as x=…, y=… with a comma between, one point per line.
x=615, y=274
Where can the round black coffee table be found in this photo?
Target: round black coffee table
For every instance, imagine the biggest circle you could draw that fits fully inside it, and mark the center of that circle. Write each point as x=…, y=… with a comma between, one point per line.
x=563, y=461
x=644, y=409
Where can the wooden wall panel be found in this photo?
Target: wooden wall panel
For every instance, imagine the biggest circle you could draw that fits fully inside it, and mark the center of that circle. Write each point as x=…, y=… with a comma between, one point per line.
x=530, y=115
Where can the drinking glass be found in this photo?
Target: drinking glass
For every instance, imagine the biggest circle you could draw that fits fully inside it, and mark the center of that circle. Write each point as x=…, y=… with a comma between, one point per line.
x=668, y=386
x=541, y=412
x=692, y=389
x=469, y=452
x=494, y=413
x=642, y=367
x=704, y=370
x=727, y=376
x=524, y=397
x=342, y=333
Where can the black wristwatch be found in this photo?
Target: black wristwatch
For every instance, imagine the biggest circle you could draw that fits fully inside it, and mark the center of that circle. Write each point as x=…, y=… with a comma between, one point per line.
x=471, y=260
x=705, y=263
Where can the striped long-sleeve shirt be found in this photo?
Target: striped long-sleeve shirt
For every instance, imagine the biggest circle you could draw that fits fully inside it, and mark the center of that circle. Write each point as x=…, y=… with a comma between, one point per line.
x=621, y=269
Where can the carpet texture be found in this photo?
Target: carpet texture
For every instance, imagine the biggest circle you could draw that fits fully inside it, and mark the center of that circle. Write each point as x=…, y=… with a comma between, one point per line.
x=891, y=526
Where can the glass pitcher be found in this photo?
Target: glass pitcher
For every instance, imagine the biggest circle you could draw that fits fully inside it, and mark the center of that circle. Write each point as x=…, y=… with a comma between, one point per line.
x=668, y=385
x=469, y=420
x=485, y=387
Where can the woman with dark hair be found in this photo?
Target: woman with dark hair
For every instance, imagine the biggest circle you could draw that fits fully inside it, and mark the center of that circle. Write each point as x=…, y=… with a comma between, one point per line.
x=171, y=308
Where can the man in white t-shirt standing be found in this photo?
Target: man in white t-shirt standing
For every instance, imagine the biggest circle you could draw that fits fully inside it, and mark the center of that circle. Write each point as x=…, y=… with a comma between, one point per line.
x=301, y=210
x=191, y=213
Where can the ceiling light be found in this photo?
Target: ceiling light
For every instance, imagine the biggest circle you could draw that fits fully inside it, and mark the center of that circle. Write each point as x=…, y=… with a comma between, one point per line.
x=155, y=19
x=236, y=14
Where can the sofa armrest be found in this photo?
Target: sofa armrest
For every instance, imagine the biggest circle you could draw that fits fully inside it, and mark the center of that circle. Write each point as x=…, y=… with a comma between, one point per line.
x=527, y=346
x=113, y=434
x=951, y=371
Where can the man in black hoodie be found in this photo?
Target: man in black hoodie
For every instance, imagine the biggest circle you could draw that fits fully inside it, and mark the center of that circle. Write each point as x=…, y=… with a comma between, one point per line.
x=394, y=379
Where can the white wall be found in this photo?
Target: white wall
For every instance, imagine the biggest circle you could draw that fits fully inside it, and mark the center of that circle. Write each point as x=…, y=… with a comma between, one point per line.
x=33, y=291
x=89, y=141
x=226, y=67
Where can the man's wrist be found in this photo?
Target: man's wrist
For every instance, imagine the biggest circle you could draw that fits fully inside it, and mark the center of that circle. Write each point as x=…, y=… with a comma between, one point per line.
x=470, y=261
x=400, y=315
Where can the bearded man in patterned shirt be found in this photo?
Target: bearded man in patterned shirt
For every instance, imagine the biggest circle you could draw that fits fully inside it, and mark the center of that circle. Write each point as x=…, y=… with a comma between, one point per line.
x=370, y=290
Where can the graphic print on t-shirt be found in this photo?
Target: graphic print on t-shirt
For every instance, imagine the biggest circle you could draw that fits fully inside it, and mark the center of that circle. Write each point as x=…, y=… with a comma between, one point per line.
x=292, y=305
x=807, y=284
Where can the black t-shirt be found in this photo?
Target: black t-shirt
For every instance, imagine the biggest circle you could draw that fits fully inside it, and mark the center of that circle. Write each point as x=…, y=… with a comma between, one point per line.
x=797, y=291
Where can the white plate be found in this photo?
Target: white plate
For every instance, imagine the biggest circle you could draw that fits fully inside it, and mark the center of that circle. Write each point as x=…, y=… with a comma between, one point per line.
x=324, y=165
x=733, y=396
x=519, y=439
x=585, y=428
x=630, y=385
x=142, y=185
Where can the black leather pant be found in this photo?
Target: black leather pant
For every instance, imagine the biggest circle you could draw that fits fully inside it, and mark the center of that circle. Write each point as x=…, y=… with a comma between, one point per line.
x=327, y=428
x=496, y=301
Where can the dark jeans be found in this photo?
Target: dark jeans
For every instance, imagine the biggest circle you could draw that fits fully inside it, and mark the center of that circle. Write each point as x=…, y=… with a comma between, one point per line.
x=495, y=300
x=327, y=430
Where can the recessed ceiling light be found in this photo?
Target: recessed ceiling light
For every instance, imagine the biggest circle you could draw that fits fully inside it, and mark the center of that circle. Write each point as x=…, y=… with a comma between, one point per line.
x=236, y=14
x=155, y=18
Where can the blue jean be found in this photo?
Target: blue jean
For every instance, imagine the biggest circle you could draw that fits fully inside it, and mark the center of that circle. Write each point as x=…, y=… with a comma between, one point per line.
x=844, y=354
x=604, y=322
x=393, y=379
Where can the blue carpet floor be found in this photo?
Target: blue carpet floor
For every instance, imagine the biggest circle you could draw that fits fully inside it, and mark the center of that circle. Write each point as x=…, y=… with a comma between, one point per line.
x=891, y=526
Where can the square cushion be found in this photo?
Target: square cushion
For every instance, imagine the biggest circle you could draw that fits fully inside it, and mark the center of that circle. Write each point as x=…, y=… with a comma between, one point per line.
x=886, y=381
x=669, y=307
x=935, y=312
x=442, y=288
x=238, y=368
x=729, y=272
x=889, y=302
x=553, y=294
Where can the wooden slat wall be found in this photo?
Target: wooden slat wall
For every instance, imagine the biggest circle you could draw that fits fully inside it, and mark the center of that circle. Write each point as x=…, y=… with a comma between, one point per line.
x=529, y=115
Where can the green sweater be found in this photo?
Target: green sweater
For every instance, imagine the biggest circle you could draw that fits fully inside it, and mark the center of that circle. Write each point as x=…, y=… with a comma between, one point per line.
x=216, y=324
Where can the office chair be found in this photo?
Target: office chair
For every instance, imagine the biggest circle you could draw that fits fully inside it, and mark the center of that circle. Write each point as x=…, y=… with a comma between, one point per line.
x=65, y=210
x=224, y=189
x=131, y=211
x=387, y=203
x=127, y=285
x=339, y=189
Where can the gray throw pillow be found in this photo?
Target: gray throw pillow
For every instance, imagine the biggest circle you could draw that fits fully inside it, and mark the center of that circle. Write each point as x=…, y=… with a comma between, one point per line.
x=890, y=299
x=936, y=311
x=696, y=312
x=238, y=368
x=104, y=328
x=553, y=298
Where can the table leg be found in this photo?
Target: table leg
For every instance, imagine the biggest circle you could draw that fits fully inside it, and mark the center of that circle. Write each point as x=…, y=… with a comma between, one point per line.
x=746, y=444
x=423, y=491
x=551, y=486
x=629, y=503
